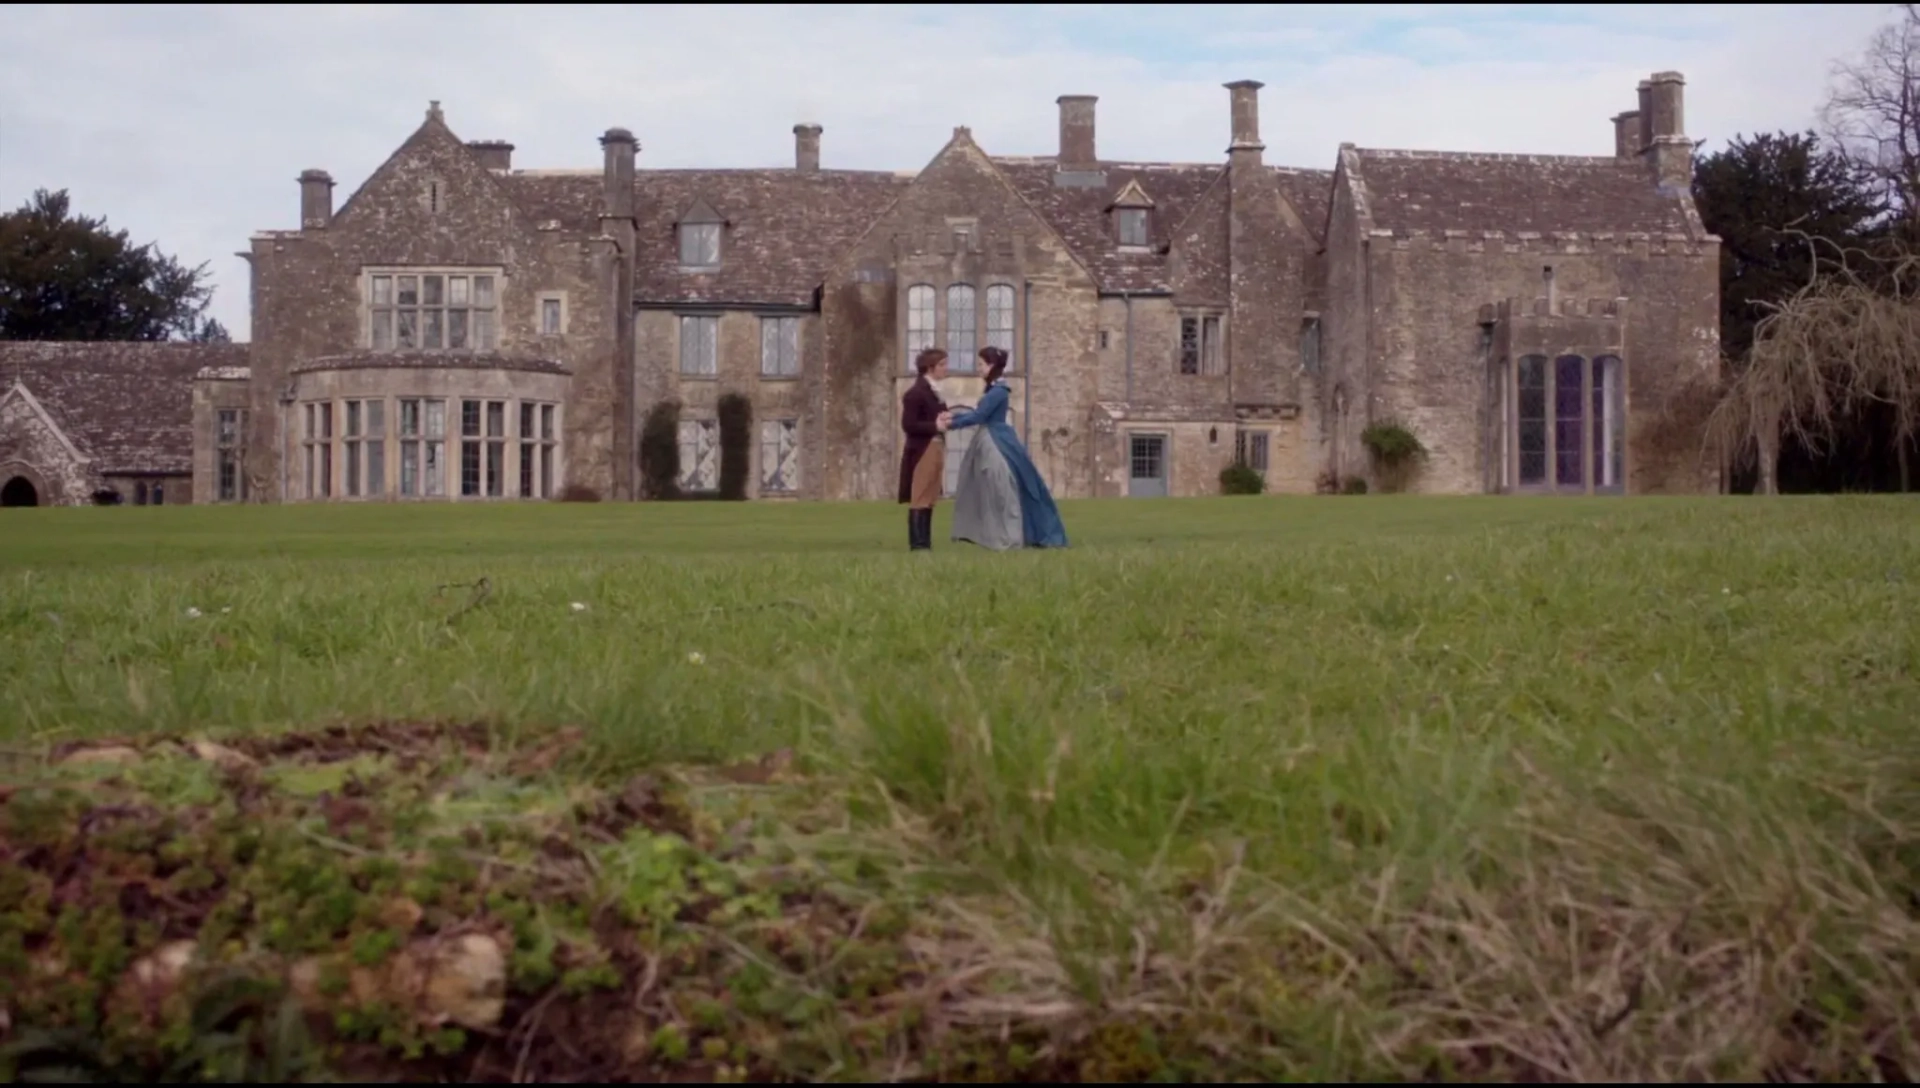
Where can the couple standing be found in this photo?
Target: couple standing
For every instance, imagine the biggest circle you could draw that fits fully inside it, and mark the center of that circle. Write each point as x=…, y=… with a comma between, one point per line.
x=1001, y=501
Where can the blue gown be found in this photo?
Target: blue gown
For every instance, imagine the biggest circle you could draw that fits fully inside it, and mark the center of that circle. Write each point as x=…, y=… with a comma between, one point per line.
x=1001, y=502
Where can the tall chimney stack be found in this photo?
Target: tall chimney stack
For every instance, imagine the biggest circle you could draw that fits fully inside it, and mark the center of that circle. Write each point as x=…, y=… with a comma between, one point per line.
x=1672, y=152
x=1646, y=114
x=806, y=148
x=1626, y=136
x=493, y=154
x=1245, y=98
x=316, y=200
x=620, y=147
x=1076, y=132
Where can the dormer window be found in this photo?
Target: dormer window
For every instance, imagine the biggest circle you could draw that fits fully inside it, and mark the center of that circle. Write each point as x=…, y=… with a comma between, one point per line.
x=1132, y=210
x=700, y=238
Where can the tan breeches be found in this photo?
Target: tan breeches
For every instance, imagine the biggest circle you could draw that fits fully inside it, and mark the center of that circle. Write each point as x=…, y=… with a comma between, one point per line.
x=929, y=475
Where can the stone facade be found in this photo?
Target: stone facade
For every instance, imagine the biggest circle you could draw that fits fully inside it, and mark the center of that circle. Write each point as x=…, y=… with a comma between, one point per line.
x=1526, y=317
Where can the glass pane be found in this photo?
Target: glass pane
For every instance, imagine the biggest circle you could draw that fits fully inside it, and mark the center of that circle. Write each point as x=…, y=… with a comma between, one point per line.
x=470, y=418
x=435, y=291
x=436, y=418
x=457, y=287
x=550, y=316
x=407, y=335
x=546, y=422
x=526, y=470
x=376, y=418
x=457, y=329
x=1613, y=380
x=353, y=418
x=382, y=330
x=326, y=419
x=409, y=417
x=409, y=290
x=353, y=469
x=960, y=329
x=483, y=338
x=483, y=290
x=496, y=469
x=1569, y=464
x=383, y=290
x=469, y=468
x=1532, y=420
x=546, y=471
x=527, y=422
x=770, y=345
x=433, y=472
x=376, y=468
x=432, y=337
x=409, y=468
x=496, y=419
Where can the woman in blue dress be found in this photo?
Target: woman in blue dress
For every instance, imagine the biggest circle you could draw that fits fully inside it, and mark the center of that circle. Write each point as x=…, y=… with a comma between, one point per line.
x=1000, y=501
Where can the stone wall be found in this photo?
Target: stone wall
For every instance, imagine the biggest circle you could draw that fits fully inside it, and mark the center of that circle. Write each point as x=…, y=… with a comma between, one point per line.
x=31, y=447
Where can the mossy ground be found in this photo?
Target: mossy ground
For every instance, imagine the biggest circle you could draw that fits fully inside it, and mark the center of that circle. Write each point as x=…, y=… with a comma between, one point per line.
x=1275, y=789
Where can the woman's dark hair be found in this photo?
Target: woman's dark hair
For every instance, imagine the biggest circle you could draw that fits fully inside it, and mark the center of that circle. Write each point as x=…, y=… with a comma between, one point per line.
x=996, y=359
x=927, y=360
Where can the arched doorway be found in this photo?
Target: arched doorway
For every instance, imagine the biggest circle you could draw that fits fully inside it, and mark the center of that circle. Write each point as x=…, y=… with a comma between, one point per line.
x=19, y=491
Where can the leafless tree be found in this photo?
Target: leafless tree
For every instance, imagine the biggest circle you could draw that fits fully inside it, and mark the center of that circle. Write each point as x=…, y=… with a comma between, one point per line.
x=1847, y=341
x=1872, y=110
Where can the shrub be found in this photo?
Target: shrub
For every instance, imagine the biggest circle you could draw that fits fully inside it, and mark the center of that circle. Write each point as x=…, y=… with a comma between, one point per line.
x=1396, y=451
x=736, y=445
x=1354, y=485
x=1239, y=479
x=579, y=493
x=660, y=452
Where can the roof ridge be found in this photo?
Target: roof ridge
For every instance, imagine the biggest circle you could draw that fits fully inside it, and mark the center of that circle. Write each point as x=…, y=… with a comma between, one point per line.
x=1485, y=156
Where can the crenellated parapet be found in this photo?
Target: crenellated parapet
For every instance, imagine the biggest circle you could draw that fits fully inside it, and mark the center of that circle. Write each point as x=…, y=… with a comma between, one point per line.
x=1545, y=243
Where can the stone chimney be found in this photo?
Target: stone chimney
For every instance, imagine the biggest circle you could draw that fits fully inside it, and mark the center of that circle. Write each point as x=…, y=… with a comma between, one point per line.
x=1246, y=143
x=316, y=199
x=493, y=154
x=806, y=148
x=1646, y=114
x=1626, y=136
x=620, y=147
x=1671, y=152
x=1076, y=132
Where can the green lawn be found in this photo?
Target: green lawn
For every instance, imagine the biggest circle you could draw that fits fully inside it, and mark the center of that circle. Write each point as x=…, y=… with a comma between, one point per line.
x=1318, y=787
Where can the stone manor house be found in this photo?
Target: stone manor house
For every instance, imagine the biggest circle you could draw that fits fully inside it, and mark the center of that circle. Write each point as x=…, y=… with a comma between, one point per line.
x=458, y=329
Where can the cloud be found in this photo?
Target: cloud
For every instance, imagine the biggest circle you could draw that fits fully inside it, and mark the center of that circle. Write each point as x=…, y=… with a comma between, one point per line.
x=188, y=124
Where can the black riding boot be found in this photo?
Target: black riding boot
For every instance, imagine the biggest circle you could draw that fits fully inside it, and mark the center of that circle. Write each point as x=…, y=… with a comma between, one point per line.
x=913, y=530
x=920, y=528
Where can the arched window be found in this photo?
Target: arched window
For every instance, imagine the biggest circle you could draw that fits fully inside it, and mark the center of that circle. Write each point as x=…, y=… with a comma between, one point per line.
x=962, y=340
x=140, y=493
x=1569, y=418
x=920, y=321
x=1609, y=424
x=1000, y=321
x=1569, y=423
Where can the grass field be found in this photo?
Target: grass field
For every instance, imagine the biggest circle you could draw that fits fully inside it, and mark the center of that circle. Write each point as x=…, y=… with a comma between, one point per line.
x=1240, y=788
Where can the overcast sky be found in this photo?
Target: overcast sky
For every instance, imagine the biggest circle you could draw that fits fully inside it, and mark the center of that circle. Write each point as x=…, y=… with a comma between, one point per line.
x=188, y=124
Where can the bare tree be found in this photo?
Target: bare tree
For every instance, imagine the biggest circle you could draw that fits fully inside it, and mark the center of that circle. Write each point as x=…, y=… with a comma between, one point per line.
x=1845, y=343
x=1872, y=110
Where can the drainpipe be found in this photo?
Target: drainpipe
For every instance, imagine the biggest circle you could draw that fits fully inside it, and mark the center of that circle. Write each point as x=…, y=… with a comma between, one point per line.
x=1026, y=352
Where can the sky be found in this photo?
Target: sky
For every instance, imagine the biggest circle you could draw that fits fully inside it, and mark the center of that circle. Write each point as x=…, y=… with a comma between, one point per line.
x=188, y=124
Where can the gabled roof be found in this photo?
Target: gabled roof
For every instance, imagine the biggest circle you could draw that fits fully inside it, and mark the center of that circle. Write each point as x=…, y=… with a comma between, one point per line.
x=784, y=227
x=126, y=405
x=1579, y=194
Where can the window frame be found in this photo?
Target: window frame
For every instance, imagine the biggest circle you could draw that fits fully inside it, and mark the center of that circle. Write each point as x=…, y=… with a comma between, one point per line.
x=1207, y=357
x=1140, y=217
x=787, y=347
x=690, y=461
x=229, y=460
x=772, y=433
x=382, y=311
x=713, y=359
x=688, y=229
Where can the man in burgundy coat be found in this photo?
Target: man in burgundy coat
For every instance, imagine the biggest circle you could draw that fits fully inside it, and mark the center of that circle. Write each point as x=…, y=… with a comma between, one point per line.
x=923, y=457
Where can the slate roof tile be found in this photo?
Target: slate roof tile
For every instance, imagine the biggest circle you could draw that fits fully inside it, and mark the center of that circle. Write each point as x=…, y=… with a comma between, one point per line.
x=1434, y=190
x=127, y=405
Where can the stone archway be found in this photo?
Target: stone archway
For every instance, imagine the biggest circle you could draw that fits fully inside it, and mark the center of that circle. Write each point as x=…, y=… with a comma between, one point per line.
x=19, y=491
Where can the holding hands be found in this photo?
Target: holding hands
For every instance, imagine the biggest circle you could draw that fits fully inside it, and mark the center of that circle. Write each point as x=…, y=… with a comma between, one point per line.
x=943, y=421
